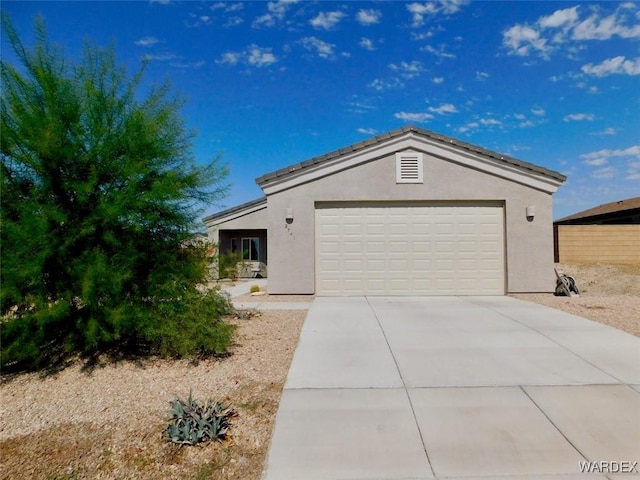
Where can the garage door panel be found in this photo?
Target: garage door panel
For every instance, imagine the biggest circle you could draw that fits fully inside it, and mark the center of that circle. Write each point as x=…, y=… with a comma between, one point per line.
x=417, y=250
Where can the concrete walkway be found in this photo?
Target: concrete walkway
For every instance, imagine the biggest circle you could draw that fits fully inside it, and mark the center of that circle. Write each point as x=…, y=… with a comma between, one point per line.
x=457, y=388
x=244, y=288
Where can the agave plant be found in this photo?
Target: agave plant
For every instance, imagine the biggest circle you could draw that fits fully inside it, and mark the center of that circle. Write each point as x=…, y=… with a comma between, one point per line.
x=192, y=423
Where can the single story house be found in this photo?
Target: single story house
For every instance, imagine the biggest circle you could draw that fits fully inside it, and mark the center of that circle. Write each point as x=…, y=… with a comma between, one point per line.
x=409, y=212
x=608, y=233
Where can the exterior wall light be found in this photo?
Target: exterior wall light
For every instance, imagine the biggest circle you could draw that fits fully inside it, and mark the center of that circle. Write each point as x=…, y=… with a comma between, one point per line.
x=289, y=215
x=530, y=212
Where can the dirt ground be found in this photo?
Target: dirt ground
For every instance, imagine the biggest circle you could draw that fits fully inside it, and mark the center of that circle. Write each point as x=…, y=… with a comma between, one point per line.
x=609, y=294
x=108, y=422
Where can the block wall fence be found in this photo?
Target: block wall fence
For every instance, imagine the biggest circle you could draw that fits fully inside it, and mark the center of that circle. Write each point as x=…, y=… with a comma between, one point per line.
x=615, y=244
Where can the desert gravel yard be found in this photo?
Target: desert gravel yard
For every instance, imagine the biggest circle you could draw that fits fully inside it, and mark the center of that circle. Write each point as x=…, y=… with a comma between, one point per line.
x=108, y=422
x=609, y=294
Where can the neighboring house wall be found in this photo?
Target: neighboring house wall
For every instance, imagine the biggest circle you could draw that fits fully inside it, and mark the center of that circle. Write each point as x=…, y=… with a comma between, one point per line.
x=616, y=244
x=529, y=245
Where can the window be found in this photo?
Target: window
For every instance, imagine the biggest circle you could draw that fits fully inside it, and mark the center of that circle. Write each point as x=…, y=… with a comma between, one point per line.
x=409, y=167
x=234, y=245
x=250, y=249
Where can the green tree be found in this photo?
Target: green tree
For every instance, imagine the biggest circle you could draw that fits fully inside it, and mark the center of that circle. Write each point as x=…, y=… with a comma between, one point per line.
x=100, y=196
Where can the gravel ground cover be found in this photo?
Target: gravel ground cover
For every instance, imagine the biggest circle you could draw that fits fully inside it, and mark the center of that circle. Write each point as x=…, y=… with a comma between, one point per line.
x=609, y=294
x=108, y=422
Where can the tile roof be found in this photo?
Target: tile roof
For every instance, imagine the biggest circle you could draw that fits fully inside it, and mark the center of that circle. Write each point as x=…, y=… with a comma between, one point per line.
x=291, y=169
x=237, y=208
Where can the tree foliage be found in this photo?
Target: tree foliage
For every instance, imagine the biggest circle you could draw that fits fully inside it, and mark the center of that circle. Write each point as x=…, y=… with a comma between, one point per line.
x=100, y=195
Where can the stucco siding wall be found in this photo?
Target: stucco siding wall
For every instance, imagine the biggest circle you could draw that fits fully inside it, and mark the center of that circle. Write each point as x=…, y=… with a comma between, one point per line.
x=615, y=244
x=529, y=245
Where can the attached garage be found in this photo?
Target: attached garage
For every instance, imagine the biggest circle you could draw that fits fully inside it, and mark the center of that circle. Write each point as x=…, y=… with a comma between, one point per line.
x=409, y=212
x=410, y=249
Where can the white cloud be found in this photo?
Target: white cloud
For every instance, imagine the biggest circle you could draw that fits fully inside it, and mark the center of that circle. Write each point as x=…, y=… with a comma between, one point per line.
x=253, y=56
x=615, y=65
x=368, y=131
x=260, y=57
x=437, y=80
x=327, y=20
x=566, y=26
x=482, y=76
x=360, y=107
x=439, y=52
x=195, y=21
x=602, y=157
x=408, y=69
x=538, y=111
x=413, y=117
x=604, y=173
x=468, y=126
x=444, y=108
x=380, y=84
x=633, y=152
x=633, y=172
x=227, y=7
x=277, y=12
x=522, y=39
x=321, y=48
x=568, y=16
x=606, y=131
x=420, y=10
x=367, y=44
x=596, y=28
x=579, y=117
x=368, y=16
x=598, y=161
x=147, y=41
x=490, y=122
x=161, y=57
x=188, y=65
x=230, y=58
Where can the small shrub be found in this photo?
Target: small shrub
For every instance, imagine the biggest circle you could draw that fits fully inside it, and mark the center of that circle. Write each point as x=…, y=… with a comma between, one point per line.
x=192, y=423
x=228, y=265
x=255, y=288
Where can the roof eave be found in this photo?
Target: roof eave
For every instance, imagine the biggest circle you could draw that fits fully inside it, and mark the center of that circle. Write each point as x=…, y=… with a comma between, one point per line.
x=543, y=178
x=235, y=212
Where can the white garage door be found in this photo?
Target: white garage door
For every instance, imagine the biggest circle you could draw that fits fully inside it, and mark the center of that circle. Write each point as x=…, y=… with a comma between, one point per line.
x=410, y=250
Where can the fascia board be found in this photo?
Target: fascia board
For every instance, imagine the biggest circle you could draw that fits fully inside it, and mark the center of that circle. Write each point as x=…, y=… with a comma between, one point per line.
x=410, y=141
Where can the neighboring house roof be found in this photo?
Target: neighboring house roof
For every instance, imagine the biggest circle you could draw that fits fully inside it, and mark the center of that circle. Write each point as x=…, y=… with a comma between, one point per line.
x=622, y=211
x=327, y=158
x=236, y=211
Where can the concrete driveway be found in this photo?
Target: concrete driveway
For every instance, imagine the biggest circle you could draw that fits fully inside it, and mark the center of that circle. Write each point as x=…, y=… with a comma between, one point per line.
x=457, y=388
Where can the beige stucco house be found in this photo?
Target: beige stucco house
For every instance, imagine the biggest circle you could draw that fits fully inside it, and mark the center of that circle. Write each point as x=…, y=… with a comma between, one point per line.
x=409, y=212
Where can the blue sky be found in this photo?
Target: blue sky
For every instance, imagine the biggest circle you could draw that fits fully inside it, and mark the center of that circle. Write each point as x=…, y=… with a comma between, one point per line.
x=269, y=84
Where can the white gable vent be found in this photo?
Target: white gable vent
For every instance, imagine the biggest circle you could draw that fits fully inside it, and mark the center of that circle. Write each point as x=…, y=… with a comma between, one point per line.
x=409, y=167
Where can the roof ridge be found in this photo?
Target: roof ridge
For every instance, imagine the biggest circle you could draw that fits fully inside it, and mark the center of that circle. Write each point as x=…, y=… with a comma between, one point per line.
x=399, y=132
